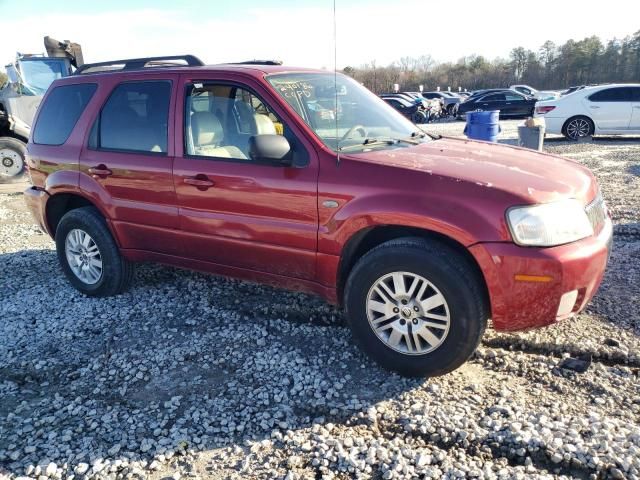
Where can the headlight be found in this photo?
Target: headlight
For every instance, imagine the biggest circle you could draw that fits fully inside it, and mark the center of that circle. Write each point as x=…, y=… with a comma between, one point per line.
x=549, y=224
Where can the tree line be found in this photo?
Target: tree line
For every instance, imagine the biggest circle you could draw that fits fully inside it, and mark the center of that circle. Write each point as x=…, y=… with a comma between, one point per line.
x=552, y=66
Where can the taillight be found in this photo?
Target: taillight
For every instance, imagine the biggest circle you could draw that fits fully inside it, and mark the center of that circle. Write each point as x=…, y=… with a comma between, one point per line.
x=544, y=109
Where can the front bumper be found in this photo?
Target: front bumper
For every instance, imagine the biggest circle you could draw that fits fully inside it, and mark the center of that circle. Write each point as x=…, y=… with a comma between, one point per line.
x=575, y=269
x=36, y=200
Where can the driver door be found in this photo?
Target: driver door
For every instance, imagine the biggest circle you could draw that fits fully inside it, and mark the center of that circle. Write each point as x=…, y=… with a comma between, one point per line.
x=233, y=210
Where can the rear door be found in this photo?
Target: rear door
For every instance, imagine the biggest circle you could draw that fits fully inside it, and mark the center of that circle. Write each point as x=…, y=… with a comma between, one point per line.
x=610, y=108
x=235, y=211
x=127, y=162
x=517, y=104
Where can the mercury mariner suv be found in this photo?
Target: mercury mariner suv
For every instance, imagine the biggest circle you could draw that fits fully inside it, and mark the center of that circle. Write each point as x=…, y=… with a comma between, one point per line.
x=305, y=180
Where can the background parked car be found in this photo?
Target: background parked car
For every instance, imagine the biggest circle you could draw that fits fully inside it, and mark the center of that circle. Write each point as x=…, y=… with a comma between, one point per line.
x=571, y=90
x=532, y=92
x=413, y=111
x=449, y=101
x=604, y=109
x=509, y=102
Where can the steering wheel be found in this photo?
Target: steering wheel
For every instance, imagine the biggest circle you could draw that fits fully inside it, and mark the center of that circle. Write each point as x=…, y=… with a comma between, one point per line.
x=358, y=128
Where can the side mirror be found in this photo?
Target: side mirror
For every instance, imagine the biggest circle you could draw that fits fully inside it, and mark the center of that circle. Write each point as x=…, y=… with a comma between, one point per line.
x=270, y=147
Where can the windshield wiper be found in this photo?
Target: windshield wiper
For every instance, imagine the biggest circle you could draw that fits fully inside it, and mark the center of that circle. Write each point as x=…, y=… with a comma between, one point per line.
x=422, y=134
x=370, y=142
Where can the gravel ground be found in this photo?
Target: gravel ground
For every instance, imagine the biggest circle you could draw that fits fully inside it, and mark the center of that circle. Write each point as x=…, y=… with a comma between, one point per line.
x=193, y=376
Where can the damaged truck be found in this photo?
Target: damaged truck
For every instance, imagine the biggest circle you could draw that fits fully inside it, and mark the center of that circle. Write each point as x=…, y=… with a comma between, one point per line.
x=28, y=78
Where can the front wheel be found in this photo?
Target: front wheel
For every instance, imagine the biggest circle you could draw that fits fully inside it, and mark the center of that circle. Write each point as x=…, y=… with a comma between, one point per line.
x=12, y=155
x=417, y=307
x=89, y=256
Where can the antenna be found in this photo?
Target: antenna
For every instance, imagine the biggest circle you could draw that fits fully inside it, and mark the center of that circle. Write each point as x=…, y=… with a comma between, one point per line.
x=335, y=80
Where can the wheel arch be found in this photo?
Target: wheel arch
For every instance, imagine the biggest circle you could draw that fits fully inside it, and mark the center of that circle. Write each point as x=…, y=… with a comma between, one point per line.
x=59, y=204
x=368, y=238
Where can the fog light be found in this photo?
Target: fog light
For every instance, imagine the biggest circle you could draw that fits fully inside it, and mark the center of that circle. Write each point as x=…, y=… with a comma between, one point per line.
x=567, y=302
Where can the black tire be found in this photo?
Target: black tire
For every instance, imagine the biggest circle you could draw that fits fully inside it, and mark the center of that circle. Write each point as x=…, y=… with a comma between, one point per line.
x=419, y=117
x=117, y=273
x=566, y=131
x=445, y=268
x=11, y=162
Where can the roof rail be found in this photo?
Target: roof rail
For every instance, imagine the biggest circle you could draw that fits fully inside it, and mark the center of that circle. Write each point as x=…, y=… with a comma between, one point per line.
x=258, y=62
x=139, y=63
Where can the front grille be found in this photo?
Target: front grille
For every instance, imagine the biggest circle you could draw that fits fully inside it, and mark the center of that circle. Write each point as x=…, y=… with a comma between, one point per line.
x=596, y=212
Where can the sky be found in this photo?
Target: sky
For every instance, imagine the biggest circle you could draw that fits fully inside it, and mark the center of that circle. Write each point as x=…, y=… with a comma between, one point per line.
x=301, y=32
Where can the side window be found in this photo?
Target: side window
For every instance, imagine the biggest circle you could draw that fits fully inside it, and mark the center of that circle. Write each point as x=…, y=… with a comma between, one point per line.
x=512, y=97
x=220, y=120
x=635, y=94
x=496, y=97
x=135, y=118
x=60, y=113
x=618, y=94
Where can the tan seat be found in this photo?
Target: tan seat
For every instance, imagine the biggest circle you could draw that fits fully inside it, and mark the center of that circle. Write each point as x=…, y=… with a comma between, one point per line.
x=207, y=134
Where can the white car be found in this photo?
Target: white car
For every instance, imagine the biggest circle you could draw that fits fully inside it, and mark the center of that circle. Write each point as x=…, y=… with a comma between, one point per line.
x=605, y=109
x=532, y=92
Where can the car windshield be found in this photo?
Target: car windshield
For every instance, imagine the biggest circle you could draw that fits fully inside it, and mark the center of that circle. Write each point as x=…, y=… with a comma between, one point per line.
x=38, y=74
x=343, y=113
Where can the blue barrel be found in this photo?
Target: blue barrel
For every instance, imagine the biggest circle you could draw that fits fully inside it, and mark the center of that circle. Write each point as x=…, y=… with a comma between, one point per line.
x=483, y=125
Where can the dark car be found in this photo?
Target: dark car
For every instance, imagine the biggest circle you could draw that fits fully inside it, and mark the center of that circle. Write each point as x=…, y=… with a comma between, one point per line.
x=253, y=171
x=509, y=102
x=411, y=110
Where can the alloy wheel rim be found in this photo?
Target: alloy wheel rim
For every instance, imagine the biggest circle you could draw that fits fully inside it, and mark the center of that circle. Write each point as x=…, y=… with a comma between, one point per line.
x=408, y=313
x=11, y=162
x=578, y=128
x=83, y=256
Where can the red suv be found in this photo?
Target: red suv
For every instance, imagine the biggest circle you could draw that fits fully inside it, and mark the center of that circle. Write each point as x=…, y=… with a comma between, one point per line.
x=306, y=180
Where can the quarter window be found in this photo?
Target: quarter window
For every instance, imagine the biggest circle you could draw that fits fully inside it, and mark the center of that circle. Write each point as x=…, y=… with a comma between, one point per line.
x=135, y=118
x=60, y=113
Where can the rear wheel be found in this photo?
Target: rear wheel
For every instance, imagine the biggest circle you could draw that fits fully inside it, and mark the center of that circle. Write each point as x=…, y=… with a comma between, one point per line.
x=578, y=127
x=416, y=307
x=89, y=256
x=12, y=156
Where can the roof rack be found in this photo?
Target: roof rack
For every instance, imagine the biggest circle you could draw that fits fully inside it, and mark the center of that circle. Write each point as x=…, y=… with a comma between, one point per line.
x=140, y=63
x=258, y=62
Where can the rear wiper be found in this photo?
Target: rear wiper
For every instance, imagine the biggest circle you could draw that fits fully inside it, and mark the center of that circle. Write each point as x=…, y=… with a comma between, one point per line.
x=370, y=142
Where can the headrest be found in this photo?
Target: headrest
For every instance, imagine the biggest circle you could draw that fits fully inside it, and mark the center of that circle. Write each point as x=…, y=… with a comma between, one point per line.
x=206, y=129
x=264, y=125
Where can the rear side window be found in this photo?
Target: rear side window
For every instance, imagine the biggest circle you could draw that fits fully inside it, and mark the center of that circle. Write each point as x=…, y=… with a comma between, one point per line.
x=620, y=94
x=135, y=118
x=60, y=113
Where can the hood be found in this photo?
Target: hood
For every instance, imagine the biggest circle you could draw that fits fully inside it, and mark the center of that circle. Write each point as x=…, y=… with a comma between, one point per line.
x=530, y=176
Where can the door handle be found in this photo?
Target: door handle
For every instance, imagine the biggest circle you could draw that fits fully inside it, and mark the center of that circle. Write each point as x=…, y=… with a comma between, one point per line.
x=636, y=106
x=594, y=106
x=99, y=171
x=201, y=181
